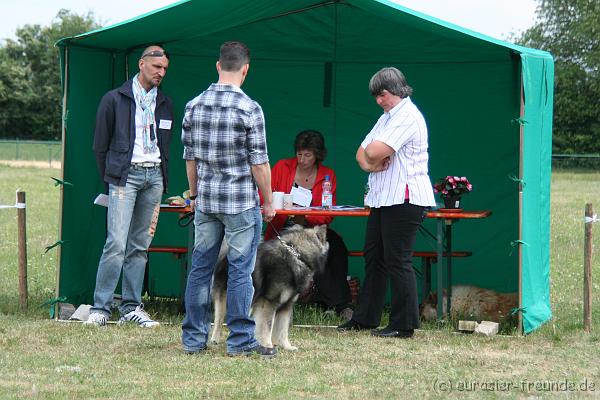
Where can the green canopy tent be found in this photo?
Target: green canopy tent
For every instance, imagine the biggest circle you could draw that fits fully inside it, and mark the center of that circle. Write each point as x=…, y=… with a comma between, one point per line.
x=488, y=105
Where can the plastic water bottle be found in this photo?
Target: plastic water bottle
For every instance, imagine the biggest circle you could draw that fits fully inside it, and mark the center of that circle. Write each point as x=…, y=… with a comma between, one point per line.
x=327, y=196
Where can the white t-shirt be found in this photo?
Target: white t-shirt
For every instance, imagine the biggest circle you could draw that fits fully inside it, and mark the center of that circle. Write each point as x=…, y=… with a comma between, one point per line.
x=138, y=147
x=403, y=128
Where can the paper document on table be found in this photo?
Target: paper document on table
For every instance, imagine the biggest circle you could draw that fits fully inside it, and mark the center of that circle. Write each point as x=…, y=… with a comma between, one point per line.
x=302, y=196
x=101, y=200
x=346, y=207
x=300, y=208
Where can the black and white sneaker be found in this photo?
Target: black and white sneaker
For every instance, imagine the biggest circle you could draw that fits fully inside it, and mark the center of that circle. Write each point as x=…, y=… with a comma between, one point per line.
x=96, y=319
x=140, y=317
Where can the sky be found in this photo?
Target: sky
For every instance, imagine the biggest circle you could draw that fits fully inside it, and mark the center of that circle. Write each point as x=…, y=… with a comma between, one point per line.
x=496, y=18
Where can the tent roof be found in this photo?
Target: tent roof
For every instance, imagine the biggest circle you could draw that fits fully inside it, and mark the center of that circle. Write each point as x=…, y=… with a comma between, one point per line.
x=189, y=19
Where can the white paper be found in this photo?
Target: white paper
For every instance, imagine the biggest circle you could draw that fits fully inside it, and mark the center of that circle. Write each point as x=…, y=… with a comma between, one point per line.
x=164, y=124
x=101, y=200
x=302, y=196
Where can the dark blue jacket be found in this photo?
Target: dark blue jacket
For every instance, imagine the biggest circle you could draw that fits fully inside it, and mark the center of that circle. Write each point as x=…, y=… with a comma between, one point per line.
x=114, y=136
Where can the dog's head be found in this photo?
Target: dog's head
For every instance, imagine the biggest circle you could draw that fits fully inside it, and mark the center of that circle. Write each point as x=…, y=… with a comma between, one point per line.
x=311, y=243
x=321, y=233
x=317, y=247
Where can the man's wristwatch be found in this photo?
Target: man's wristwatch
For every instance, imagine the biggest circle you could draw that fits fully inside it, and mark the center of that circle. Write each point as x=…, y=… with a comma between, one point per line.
x=193, y=197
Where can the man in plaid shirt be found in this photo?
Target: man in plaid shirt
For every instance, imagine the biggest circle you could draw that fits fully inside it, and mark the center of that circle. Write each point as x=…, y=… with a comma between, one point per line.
x=225, y=149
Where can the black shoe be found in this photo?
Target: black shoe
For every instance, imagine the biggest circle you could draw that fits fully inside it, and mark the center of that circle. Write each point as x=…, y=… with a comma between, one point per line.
x=391, y=332
x=263, y=352
x=352, y=325
x=193, y=352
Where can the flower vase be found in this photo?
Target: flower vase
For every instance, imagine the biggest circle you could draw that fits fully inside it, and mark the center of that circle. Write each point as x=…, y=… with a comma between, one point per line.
x=452, y=202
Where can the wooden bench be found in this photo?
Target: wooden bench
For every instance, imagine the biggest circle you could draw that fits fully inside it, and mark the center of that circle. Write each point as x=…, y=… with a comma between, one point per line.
x=174, y=250
x=181, y=254
x=427, y=258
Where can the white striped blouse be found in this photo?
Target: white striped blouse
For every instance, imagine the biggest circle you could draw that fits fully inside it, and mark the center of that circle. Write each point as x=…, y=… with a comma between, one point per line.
x=403, y=128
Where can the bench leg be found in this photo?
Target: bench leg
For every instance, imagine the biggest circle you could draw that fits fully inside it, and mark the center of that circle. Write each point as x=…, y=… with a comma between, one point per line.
x=440, y=276
x=449, y=268
x=426, y=277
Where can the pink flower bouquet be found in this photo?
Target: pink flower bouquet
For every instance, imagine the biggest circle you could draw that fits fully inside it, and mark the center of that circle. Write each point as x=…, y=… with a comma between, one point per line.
x=452, y=186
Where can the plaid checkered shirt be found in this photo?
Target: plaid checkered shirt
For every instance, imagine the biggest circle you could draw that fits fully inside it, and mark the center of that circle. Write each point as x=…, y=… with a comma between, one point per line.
x=224, y=131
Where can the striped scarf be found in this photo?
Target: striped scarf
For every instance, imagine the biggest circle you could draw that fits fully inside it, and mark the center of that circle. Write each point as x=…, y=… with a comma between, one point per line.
x=144, y=100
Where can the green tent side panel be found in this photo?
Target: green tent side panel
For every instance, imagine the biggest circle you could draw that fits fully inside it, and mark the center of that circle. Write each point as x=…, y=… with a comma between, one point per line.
x=538, y=87
x=311, y=63
x=89, y=76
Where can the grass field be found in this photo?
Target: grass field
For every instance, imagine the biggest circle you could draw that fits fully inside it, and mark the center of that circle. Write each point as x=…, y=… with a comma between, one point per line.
x=24, y=152
x=47, y=359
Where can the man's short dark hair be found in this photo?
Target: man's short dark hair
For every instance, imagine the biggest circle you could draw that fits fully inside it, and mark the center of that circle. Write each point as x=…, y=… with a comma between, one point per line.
x=313, y=141
x=233, y=56
x=390, y=79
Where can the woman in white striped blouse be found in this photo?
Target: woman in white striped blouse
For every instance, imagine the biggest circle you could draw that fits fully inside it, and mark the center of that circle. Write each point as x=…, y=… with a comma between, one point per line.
x=395, y=155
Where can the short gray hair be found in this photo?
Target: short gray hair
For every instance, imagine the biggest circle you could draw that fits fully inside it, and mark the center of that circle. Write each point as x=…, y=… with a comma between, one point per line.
x=390, y=79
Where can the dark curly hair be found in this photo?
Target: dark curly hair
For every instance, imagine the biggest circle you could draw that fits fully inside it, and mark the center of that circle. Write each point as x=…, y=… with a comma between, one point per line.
x=312, y=140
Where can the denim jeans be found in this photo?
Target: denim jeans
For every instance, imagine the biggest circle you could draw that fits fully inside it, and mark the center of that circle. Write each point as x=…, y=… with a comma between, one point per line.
x=130, y=210
x=242, y=232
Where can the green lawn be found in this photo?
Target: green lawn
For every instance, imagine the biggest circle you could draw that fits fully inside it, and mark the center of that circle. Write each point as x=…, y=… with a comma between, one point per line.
x=47, y=359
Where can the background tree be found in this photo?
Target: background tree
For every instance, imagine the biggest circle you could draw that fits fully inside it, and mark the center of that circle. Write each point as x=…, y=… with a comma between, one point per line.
x=30, y=92
x=570, y=30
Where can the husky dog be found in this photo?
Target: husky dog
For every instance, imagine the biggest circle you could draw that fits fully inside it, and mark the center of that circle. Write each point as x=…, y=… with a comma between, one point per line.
x=473, y=302
x=282, y=271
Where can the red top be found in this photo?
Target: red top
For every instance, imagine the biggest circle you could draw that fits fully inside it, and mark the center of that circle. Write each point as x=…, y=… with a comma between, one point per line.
x=282, y=179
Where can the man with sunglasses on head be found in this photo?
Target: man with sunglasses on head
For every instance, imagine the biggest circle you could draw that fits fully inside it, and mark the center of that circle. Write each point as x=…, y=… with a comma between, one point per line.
x=131, y=143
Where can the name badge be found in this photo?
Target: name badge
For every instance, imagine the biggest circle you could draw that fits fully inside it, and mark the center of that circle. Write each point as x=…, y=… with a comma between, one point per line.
x=164, y=124
x=302, y=196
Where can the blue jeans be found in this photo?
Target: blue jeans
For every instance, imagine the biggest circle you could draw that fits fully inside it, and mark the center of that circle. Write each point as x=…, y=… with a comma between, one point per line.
x=242, y=232
x=130, y=210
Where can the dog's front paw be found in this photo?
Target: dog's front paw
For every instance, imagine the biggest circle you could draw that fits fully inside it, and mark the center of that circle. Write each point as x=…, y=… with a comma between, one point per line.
x=289, y=347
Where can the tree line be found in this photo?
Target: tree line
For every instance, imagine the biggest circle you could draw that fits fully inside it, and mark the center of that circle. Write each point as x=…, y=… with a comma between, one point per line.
x=570, y=30
x=30, y=91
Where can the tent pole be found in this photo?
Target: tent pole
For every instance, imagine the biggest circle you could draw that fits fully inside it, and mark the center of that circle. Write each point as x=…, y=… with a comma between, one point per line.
x=62, y=170
x=334, y=81
x=520, y=248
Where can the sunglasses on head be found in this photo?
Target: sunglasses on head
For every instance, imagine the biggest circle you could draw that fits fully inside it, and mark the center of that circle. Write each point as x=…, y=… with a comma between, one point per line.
x=156, y=53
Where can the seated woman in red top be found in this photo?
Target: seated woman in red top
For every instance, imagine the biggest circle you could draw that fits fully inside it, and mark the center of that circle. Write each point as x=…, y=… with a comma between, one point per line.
x=306, y=170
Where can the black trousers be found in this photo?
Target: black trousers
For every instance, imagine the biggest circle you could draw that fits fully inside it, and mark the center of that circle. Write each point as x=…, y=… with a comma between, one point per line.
x=331, y=283
x=389, y=242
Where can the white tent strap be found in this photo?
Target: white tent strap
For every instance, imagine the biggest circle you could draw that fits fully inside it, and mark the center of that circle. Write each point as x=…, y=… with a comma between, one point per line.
x=591, y=219
x=17, y=205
